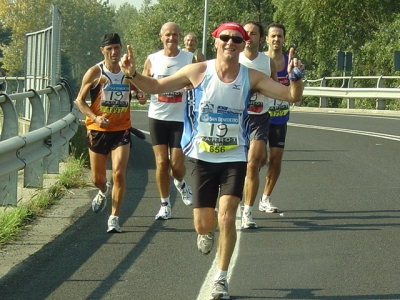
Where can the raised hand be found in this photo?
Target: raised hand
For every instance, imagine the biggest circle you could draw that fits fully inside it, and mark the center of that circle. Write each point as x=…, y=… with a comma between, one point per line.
x=295, y=67
x=127, y=63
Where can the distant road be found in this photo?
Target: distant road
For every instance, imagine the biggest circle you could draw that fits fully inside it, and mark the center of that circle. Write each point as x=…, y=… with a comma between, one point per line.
x=337, y=237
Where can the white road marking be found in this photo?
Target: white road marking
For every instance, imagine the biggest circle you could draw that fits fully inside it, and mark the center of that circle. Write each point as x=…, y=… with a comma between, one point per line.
x=360, y=132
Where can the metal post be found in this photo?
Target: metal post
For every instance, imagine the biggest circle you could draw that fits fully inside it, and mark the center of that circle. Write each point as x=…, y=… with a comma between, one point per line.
x=205, y=28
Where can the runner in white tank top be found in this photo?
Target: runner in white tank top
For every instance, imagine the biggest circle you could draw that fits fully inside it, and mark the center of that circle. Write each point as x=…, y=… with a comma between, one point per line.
x=259, y=119
x=166, y=119
x=222, y=116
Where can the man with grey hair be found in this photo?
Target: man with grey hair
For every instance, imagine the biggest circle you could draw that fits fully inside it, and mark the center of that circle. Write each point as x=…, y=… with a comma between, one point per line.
x=190, y=42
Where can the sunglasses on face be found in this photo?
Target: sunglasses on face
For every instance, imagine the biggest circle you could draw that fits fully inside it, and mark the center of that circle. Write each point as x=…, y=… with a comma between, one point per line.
x=236, y=39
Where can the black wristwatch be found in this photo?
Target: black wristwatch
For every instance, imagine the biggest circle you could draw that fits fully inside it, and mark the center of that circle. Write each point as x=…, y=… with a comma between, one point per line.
x=131, y=77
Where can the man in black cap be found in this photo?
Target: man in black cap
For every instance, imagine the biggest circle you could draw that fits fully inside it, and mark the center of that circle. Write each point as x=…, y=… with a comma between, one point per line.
x=108, y=123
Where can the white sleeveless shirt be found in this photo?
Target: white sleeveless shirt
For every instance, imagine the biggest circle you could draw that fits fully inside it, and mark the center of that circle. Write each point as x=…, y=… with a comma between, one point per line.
x=167, y=106
x=216, y=124
x=259, y=104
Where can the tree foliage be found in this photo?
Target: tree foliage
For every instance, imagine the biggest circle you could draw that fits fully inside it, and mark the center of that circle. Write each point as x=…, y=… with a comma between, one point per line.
x=318, y=29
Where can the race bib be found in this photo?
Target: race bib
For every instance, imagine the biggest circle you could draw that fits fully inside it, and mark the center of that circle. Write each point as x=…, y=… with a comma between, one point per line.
x=115, y=98
x=218, y=132
x=172, y=97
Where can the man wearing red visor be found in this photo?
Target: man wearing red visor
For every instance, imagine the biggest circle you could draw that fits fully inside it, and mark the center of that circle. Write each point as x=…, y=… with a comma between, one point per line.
x=216, y=134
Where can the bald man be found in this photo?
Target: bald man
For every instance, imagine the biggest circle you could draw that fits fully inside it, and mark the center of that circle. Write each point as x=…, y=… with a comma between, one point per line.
x=166, y=119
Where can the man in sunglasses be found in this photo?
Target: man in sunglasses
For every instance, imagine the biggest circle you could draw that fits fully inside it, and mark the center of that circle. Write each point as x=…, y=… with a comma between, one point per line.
x=259, y=118
x=216, y=133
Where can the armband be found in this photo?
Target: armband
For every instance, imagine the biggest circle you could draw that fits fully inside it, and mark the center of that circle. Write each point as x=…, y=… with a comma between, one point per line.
x=297, y=74
x=131, y=77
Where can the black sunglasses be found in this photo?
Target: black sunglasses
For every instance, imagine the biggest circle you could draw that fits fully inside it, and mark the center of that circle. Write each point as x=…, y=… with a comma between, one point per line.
x=236, y=39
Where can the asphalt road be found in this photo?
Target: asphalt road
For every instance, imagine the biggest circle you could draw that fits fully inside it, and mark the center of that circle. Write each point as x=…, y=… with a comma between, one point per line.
x=337, y=237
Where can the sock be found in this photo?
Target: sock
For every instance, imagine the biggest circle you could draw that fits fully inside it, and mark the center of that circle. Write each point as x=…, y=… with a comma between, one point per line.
x=165, y=201
x=265, y=198
x=220, y=273
x=248, y=208
x=179, y=184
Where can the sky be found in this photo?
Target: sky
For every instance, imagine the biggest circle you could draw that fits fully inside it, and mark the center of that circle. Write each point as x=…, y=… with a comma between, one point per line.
x=136, y=3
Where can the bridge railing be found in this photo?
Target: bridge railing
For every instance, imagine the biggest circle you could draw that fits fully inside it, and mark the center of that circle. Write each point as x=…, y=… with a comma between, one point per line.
x=35, y=146
x=347, y=90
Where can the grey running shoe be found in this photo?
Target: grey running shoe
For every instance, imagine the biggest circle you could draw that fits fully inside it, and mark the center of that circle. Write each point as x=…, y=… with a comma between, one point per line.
x=267, y=206
x=100, y=201
x=186, y=192
x=164, y=213
x=247, y=220
x=205, y=242
x=220, y=289
x=113, y=225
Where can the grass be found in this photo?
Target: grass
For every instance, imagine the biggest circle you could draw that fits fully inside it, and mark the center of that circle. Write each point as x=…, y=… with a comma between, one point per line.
x=15, y=220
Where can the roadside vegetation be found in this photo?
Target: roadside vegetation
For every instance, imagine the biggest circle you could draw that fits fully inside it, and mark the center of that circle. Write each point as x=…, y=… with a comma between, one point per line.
x=15, y=220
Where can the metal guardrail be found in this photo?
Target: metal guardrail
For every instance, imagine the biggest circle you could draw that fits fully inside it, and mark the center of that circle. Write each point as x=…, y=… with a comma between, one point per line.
x=347, y=90
x=40, y=150
x=52, y=126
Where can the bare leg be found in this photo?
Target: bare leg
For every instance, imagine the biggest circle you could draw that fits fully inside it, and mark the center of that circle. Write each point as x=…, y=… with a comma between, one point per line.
x=177, y=162
x=256, y=159
x=162, y=167
x=98, y=165
x=228, y=205
x=274, y=169
x=119, y=158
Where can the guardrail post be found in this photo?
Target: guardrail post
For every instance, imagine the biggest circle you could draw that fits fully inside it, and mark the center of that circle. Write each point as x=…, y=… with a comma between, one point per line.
x=52, y=162
x=351, y=101
x=66, y=107
x=33, y=174
x=380, y=103
x=9, y=183
x=323, y=101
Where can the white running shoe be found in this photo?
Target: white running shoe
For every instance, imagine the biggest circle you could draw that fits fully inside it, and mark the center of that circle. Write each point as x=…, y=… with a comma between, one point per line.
x=247, y=220
x=205, y=242
x=100, y=201
x=267, y=206
x=186, y=192
x=113, y=225
x=220, y=289
x=164, y=213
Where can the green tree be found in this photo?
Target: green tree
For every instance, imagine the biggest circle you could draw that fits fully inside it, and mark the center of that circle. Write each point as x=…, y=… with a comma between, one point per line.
x=83, y=24
x=22, y=17
x=5, y=39
x=189, y=15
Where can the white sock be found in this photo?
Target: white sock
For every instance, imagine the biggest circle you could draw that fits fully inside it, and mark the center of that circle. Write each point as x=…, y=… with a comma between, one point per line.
x=220, y=273
x=248, y=208
x=178, y=183
x=165, y=200
x=265, y=198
